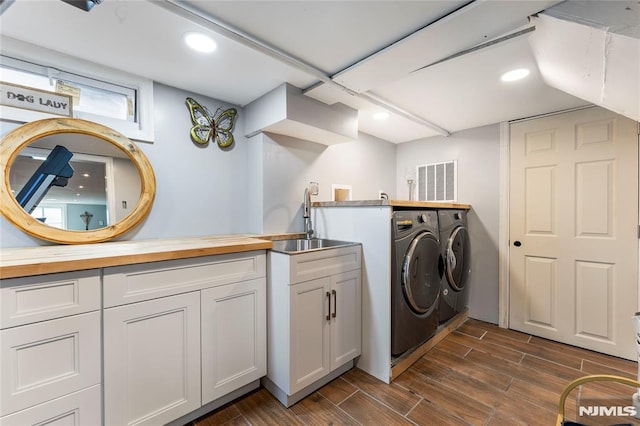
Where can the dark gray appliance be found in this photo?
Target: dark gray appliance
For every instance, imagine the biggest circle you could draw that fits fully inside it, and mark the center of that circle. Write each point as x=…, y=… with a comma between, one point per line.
x=415, y=280
x=456, y=253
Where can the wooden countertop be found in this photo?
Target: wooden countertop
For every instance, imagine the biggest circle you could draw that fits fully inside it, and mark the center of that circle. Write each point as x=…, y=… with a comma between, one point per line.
x=393, y=203
x=27, y=261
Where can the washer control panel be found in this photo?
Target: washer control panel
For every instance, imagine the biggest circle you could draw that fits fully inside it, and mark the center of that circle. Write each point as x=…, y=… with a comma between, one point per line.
x=407, y=220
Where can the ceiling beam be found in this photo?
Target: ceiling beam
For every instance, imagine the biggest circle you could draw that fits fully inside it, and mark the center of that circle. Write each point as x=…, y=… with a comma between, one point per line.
x=212, y=23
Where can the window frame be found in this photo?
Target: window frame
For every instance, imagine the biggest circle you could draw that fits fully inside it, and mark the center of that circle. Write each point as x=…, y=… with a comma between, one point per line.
x=141, y=130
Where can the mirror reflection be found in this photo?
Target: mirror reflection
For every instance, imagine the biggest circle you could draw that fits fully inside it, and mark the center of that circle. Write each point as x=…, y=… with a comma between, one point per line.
x=75, y=181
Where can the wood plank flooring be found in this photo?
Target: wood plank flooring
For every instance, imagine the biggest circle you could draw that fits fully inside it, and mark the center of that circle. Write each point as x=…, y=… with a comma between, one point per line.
x=478, y=375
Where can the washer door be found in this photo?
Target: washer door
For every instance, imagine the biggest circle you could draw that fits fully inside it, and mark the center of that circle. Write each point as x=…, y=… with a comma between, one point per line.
x=457, y=258
x=420, y=277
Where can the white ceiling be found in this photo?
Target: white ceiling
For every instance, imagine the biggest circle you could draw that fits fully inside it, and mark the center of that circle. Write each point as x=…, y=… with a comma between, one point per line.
x=366, y=54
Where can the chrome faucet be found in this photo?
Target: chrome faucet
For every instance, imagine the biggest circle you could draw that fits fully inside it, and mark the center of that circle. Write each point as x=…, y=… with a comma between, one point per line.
x=312, y=189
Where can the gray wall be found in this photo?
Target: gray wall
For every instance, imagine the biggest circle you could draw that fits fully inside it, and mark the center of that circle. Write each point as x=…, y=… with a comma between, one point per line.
x=257, y=186
x=288, y=165
x=254, y=187
x=200, y=190
x=478, y=154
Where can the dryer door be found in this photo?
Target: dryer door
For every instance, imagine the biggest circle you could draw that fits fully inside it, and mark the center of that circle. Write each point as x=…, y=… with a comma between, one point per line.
x=458, y=258
x=420, y=275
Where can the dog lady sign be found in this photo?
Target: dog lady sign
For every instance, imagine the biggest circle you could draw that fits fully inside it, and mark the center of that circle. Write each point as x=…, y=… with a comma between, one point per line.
x=36, y=100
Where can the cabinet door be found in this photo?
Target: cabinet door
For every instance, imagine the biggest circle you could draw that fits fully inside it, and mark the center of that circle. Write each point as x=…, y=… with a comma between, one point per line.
x=234, y=345
x=346, y=317
x=309, y=331
x=152, y=360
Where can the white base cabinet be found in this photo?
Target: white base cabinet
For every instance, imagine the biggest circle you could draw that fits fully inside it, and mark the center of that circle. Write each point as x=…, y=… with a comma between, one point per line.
x=50, y=349
x=169, y=355
x=157, y=342
x=314, y=318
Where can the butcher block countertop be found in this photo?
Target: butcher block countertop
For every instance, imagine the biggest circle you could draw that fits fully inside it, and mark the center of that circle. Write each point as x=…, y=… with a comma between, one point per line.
x=27, y=261
x=393, y=203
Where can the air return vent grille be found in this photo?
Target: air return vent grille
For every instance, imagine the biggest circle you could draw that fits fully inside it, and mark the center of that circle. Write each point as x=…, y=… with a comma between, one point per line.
x=437, y=181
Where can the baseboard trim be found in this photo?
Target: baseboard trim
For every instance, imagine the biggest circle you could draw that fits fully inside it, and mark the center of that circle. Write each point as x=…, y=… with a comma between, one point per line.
x=207, y=408
x=289, y=400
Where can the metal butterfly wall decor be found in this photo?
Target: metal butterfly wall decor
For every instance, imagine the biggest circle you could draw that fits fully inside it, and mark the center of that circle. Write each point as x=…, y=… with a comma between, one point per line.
x=207, y=126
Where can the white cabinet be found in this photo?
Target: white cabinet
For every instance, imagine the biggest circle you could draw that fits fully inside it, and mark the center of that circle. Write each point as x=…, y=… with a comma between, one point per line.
x=346, y=317
x=50, y=346
x=152, y=360
x=309, y=306
x=195, y=333
x=160, y=340
x=325, y=326
x=314, y=319
x=233, y=337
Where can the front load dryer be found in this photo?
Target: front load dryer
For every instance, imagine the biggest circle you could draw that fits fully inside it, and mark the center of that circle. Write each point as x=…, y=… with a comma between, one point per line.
x=415, y=280
x=456, y=253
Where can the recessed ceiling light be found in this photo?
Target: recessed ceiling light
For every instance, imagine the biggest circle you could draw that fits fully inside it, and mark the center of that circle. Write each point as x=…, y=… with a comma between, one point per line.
x=200, y=42
x=382, y=115
x=514, y=75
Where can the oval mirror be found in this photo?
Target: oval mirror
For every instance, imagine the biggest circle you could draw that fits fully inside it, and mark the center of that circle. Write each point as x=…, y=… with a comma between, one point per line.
x=72, y=181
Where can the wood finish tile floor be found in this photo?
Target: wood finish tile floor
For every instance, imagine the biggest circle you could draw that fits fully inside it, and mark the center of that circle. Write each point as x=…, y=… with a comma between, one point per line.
x=478, y=375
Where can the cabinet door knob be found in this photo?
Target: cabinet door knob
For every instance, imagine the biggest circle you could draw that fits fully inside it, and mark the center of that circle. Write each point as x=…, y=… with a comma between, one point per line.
x=517, y=243
x=335, y=303
x=328, y=317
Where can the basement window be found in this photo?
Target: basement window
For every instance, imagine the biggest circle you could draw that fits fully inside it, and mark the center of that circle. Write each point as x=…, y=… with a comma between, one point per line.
x=114, y=99
x=438, y=181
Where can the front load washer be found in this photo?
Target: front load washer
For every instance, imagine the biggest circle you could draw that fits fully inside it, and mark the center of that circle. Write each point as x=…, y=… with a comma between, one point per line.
x=456, y=253
x=415, y=281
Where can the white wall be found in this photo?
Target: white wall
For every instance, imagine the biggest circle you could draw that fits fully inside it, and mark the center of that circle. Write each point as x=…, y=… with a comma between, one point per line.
x=126, y=181
x=478, y=152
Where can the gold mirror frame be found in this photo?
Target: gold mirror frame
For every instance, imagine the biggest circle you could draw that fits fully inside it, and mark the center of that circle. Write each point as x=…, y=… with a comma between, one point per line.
x=19, y=138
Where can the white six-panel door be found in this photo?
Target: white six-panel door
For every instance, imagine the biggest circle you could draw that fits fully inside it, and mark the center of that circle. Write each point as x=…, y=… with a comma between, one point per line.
x=574, y=229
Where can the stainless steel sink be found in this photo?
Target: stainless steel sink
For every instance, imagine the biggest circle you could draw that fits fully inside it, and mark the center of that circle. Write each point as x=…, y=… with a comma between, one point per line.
x=300, y=245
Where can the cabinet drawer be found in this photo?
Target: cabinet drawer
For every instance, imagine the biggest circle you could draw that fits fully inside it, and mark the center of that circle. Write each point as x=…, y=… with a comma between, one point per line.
x=136, y=283
x=322, y=263
x=79, y=409
x=39, y=298
x=47, y=360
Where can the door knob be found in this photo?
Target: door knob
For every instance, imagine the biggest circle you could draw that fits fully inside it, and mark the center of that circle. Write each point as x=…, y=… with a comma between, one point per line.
x=517, y=243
